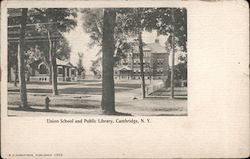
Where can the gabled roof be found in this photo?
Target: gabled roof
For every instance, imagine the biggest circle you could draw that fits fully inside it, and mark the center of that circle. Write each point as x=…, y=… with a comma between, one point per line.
x=58, y=62
x=146, y=48
x=156, y=48
x=124, y=68
x=62, y=63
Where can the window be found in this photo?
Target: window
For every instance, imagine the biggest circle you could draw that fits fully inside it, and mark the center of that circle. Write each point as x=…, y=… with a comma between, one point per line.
x=60, y=71
x=160, y=61
x=73, y=72
x=134, y=62
x=43, y=69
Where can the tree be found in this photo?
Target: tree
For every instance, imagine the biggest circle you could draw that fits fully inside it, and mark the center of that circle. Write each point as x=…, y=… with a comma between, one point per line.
x=178, y=37
x=129, y=24
x=139, y=19
x=12, y=61
x=54, y=21
x=173, y=53
x=171, y=22
x=13, y=46
x=50, y=23
x=102, y=27
x=96, y=67
x=181, y=68
x=21, y=63
x=108, y=95
x=80, y=68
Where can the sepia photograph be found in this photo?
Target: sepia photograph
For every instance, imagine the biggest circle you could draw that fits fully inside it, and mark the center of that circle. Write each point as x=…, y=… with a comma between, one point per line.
x=97, y=61
x=124, y=79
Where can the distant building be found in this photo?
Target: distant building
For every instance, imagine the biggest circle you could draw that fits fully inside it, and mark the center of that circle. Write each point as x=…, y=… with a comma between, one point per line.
x=155, y=61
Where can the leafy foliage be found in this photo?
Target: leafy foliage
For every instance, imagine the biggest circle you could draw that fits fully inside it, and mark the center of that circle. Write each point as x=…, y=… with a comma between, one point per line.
x=96, y=67
x=55, y=20
x=93, y=25
x=39, y=51
x=180, y=70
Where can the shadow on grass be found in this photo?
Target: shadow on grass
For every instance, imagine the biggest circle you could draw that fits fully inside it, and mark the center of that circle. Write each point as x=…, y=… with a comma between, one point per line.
x=71, y=90
x=115, y=113
x=166, y=97
x=95, y=104
x=35, y=110
x=168, y=115
x=47, y=83
x=167, y=109
x=80, y=106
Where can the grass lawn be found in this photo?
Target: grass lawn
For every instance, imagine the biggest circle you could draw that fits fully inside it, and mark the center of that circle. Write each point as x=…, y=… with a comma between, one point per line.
x=85, y=98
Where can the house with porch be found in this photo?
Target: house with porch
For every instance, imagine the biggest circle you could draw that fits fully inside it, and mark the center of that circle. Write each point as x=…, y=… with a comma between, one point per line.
x=39, y=71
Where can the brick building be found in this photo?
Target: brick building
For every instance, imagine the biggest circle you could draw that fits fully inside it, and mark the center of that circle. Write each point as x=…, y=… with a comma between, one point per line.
x=156, y=63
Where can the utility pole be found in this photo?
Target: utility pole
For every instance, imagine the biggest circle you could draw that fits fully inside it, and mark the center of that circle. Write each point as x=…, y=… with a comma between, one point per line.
x=173, y=55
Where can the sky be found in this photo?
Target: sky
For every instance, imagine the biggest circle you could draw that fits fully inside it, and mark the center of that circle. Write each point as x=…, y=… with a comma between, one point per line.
x=79, y=40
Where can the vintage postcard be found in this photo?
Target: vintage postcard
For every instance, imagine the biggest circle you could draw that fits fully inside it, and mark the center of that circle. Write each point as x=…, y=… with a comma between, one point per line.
x=124, y=79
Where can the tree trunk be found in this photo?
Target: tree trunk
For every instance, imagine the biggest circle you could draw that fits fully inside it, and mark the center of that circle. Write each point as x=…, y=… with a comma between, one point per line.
x=173, y=56
x=50, y=74
x=141, y=65
x=16, y=67
x=53, y=65
x=16, y=73
x=132, y=64
x=21, y=63
x=141, y=55
x=108, y=91
x=9, y=73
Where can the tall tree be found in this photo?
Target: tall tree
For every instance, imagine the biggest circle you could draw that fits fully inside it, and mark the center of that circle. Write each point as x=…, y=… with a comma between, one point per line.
x=108, y=95
x=96, y=67
x=133, y=25
x=171, y=22
x=12, y=61
x=21, y=63
x=173, y=52
x=105, y=33
x=139, y=19
x=54, y=21
x=80, y=68
x=177, y=30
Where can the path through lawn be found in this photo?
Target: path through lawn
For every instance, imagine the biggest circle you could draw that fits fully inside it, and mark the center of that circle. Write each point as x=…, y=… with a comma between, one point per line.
x=85, y=99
